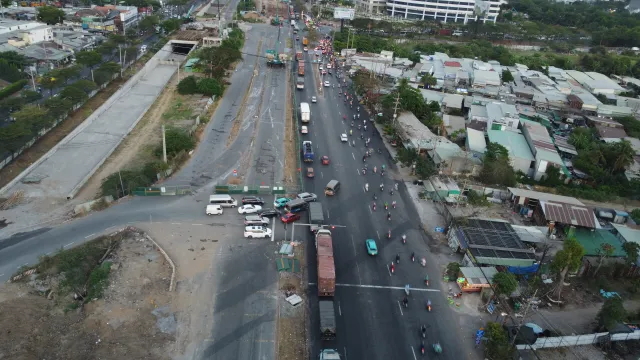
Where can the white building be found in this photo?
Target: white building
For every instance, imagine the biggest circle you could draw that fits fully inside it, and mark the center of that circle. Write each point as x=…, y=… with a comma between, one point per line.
x=24, y=33
x=371, y=6
x=444, y=10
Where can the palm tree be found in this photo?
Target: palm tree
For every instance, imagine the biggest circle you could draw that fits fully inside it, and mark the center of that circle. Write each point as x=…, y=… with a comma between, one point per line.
x=624, y=155
x=428, y=80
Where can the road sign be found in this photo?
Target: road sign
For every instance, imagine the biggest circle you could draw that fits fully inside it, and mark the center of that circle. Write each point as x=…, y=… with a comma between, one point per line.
x=235, y=172
x=491, y=307
x=344, y=13
x=479, y=335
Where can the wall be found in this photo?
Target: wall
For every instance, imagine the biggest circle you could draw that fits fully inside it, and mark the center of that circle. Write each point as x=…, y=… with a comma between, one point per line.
x=587, y=339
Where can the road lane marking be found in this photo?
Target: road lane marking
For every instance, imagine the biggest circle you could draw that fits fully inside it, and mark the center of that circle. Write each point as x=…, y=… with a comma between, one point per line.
x=386, y=287
x=321, y=175
x=414, y=353
x=196, y=224
x=327, y=213
x=400, y=307
x=354, y=157
x=378, y=234
x=69, y=244
x=389, y=270
x=339, y=309
x=358, y=170
x=345, y=353
x=88, y=236
x=371, y=211
x=273, y=230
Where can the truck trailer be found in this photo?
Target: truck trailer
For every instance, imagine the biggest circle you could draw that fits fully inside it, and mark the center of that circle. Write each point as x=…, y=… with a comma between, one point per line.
x=300, y=68
x=305, y=112
x=327, y=320
x=326, y=264
x=316, y=216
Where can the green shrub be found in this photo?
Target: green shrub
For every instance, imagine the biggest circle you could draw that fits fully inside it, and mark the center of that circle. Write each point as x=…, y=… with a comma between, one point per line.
x=177, y=141
x=12, y=88
x=188, y=85
x=210, y=87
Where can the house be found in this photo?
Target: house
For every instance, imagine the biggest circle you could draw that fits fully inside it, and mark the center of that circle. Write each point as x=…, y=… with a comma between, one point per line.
x=476, y=143
x=489, y=242
x=474, y=279
x=557, y=214
x=595, y=83
x=614, y=111
x=484, y=78
x=416, y=135
x=452, y=101
x=501, y=115
x=452, y=160
x=610, y=134
x=453, y=124
x=23, y=33
x=520, y=154
x=542, y=148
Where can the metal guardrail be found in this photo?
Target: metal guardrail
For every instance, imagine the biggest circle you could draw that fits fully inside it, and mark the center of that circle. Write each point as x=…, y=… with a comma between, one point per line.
x=253, y=190
x=162, y=190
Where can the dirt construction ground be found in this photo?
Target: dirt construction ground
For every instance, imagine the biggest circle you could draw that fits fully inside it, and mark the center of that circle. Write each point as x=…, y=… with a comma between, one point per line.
x=133, y=320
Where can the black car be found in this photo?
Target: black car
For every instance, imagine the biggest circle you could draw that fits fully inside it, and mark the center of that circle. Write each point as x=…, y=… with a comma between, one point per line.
x=254, y=200
x=269, y=213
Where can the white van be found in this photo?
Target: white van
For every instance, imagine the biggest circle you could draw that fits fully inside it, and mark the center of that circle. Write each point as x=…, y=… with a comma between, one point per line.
x=214, y=210
x=257, y=232
x=223, y=200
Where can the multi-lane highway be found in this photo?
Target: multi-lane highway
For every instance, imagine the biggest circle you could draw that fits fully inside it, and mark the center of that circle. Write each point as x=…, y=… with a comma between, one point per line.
x=372, y=324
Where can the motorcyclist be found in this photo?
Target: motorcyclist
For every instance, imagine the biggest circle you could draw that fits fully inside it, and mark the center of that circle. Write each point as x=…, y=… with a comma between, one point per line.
x=365, y=127
x=364, y=171
x=374, y=206
x=366, y=186
x=351, y=122
x=405, y=301
x=381, y=187
x=375, y=197
x=398, y=258
x=350, y=131
x=386, y=205
x=375, y=169
x=389, y=216
x=354, y=116
x=393, y=203
x=423, y=329
x=396, y=186
x=413, y=256
x=359, y=118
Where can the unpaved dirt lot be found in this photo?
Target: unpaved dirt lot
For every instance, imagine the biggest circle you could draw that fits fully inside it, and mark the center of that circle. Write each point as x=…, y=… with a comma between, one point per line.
x=133, y=319
x=292, y=321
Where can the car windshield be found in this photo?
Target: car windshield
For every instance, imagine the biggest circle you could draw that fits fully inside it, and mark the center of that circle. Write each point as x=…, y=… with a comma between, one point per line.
x=372, y=244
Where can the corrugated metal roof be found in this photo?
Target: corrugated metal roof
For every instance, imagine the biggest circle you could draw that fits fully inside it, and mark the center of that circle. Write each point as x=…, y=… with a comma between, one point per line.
x=569, y=214
x=476, y=141
x=542, y=196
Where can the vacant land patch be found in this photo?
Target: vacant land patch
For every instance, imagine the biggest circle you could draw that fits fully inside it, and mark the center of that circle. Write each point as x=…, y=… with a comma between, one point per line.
x=106, y=299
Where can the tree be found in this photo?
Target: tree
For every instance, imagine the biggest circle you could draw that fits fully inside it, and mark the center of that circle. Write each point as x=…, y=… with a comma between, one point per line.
x=31, y=96
x=110, y=67
x=50, y=15
x=149, y=22
x=507, y=76
x=428, y=80
x=9, y=72
x=48, y=82
x=453, y=269
x=14, y=136
x=73, y=94
x=107, y=48
x=611, y=313
x=605, y=251
x=88, y=58
x=171, y=25
x=65, y=74
x=567, y=259
x=504, y=283
x=101, y=77
x=496, y=167
x=35, y=117
x=210, y=87
x=498, y=345
x=12, y=104
x=57, y=107
x=85, y=85
x=177, y=141
x=631, y=249
x=188, y=85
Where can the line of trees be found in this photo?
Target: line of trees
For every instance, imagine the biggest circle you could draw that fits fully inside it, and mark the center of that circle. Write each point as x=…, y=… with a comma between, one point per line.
x=30, y=120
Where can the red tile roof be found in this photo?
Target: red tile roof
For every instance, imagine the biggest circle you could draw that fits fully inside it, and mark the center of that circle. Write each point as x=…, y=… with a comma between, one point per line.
x=569, y=214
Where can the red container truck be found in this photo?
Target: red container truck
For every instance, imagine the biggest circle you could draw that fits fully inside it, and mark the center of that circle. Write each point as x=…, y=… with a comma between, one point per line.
x=326, y=264
x=301, y=68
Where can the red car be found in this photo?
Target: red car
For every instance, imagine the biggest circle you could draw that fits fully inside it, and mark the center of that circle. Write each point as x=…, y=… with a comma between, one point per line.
x=290, y=217
x=325, y=160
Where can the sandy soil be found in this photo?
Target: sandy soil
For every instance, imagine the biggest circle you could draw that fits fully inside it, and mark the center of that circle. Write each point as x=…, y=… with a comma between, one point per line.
x=132, y=321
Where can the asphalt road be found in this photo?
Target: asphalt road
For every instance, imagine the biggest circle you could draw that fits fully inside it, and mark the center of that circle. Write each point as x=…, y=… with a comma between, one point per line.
x=371, y=322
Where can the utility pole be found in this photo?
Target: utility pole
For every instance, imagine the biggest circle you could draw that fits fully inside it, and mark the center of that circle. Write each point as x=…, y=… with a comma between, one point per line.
x=395, y=108
x=164, y=146
x=121, y=183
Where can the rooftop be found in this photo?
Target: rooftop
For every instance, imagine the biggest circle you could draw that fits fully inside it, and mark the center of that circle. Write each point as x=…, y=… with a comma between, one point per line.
x=492, y=239
x=453, y=101
x=478, y=275
x=513, y=141
x=453, y=123
x=606, y=132
x=542, y=196
x=592, y=240
x=627, y=233
x=415, y=132
x=569, y=214
x=476, y=141
x=593, y=80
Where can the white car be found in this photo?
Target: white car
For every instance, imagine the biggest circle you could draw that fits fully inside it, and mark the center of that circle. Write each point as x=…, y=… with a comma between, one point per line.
x=320, y=67
x=308, y=197
x=249, y=209
x=344, y=138
x=314, y=99
x=304, y=130
x=328, y=66
x=326, y=84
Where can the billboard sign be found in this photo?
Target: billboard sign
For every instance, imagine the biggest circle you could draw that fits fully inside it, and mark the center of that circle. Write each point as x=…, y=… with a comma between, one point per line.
x=344, y=13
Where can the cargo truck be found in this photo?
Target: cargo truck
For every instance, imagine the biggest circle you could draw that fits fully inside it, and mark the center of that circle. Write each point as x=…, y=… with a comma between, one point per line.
x=305, y=112
x=301, y=68
x=300, y=82
x=305, y=41
x=307, y=151
x=327, y=321
x=316, y=216
x=326, y=265
x=299, y=55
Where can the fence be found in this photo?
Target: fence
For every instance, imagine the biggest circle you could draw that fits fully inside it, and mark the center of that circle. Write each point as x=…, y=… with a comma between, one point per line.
x=575, y=340
x=162, y=191
x=253, y=190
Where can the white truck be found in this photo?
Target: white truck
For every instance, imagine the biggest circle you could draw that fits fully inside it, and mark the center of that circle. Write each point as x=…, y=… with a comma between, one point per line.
x=305, y=112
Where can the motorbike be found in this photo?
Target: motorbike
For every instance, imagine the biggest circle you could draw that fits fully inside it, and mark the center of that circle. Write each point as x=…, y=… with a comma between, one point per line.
x=422, y=348
x=423, y=332
x=413, y=257
x=374, y=206
x=366, y=187
x=397, y=258
x=375, y=169
x=405, y=302
x=429, y=306
x=375, y=197
x=386, y=207
x=393, y=204
x=426, y=281
x=359, y=126
x=352, y=124
x=404, y=239
x=389, y=235
x=364, y=171
x=391, y=192
x=389, y=217
x=381, y=187
x=392, y=268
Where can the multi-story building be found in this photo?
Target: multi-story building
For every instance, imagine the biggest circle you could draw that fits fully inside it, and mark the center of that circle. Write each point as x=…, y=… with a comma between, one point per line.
x=444, y=10
x=372, y=6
